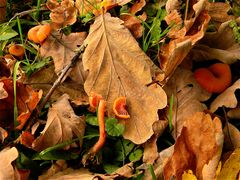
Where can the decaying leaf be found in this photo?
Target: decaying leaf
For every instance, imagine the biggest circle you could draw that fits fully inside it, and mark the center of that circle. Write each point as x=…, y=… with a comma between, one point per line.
x=227, y=98
x=118, y=67
x=27, y=100
x=234, y=113
x=62, y=49
x=97, y=6
x=133, y=22
x=219, y=45
x=185, y=34
x=231, y=137
x=62, y=14
x=219, y=11
x=231, y=167
x=188, y=96
x=7, y=156
x=200, y=139
x=84, y=174
x=44, y=79
x=62, y=125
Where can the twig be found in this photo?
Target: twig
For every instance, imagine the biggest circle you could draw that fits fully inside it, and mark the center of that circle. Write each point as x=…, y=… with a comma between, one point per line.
x=58, y=81
x=23, y=13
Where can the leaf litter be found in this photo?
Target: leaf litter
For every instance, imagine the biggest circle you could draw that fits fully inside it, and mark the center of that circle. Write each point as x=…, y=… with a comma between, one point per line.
x=143, y=51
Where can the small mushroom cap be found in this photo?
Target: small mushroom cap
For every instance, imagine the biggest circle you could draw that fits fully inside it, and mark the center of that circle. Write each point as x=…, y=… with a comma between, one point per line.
x=16, y=50
x=44, y=32
x=94, y=100
x=215, y=78
x=32, y=34
x=120, y=108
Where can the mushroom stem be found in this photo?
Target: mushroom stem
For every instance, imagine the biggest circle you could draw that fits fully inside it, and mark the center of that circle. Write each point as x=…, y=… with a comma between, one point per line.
x=102, y=133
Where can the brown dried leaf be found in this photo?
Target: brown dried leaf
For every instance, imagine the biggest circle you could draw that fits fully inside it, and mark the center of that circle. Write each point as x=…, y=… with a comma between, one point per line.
x=62, y=14
x=62, y=125
x=183, y=38
x=227, y=98
x=188, y=96
x=62, y=49
x=191, y=150
x=219, y=11
x=97, y=7
x=219, y=45
x=134, y=24
x=7, y=156
x=115, y=71
x=234, y=113
x=45, y=78
x=27, y=100
x=231, y=137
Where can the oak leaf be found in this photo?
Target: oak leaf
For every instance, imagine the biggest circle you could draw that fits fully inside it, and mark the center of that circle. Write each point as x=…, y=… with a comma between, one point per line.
x=188, y=97
x=7, y=156
x=62, y=125
x=227, y=98
x=184, y=34
x=62, y=49
x=118, y=67
x=200, y=140
x=62, y=14
x=219, y=45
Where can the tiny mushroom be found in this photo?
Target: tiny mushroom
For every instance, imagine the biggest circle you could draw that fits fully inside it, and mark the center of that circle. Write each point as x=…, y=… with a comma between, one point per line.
x=39, y=33
x=120, y=108
x=215, y=78
x=16, y=50
x=94, y=100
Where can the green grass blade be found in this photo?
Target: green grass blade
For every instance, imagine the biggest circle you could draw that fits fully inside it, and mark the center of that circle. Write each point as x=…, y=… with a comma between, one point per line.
x=170, y=112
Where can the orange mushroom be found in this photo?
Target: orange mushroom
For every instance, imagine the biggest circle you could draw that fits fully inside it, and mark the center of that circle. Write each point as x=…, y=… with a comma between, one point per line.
x=16, y=50
x=39, y=33
x=215, y=78
x=43, y=32
x=120, y=108
x=32, y=34
x=94, y=100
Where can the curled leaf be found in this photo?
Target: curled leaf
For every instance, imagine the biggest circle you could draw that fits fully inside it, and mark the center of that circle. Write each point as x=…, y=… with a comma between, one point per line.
x=191, y=150
x=62, y=14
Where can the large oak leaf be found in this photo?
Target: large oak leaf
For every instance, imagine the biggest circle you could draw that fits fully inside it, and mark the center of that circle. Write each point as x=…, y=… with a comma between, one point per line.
x=62, y=125
x=118, y=67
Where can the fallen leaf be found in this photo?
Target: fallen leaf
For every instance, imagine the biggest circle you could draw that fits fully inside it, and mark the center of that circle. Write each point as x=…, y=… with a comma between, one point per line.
x=234, y=113
x=62, y=14
x=226, y=98
x=62, y=125
x=219, y=45
x=231, y=137
x=45, y=78
x=133, y=22
x=7, y=156
x=26, y=139
x=97, y=7
x=62, y=49
x=114, y=71
x=184, y=37
x=231, y=167
x=188, y=175
x=188, y=97
x=219, y=11
x=27, y=100
x=195, y=147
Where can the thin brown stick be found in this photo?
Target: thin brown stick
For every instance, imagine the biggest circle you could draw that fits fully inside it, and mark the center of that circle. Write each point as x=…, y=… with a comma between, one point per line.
x=58, y=81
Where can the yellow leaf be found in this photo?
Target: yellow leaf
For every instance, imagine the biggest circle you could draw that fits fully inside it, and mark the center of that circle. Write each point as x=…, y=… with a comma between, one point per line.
x=188, y=175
